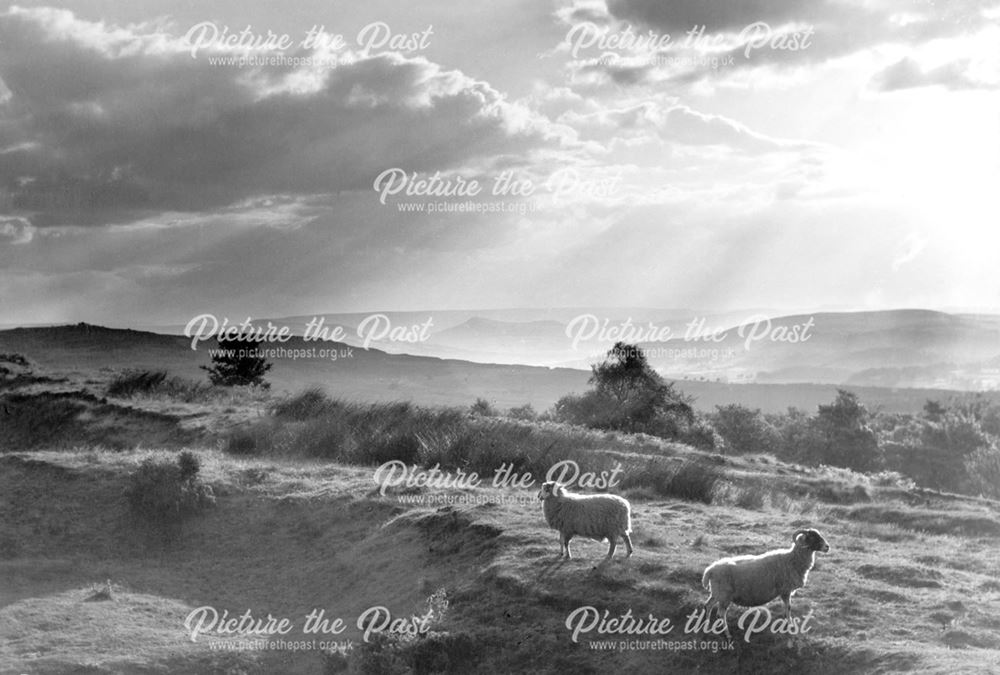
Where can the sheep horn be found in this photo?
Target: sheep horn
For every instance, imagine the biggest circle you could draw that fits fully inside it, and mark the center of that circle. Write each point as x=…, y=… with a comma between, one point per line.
x=797, y=533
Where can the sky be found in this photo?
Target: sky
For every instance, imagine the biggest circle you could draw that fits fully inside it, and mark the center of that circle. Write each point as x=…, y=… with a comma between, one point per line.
x=164, y=159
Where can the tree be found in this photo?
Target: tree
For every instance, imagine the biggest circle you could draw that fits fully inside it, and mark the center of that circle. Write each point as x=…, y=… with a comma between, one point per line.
x=628, y=395
x=238, y=363
x=745, y=429
x=846, y=438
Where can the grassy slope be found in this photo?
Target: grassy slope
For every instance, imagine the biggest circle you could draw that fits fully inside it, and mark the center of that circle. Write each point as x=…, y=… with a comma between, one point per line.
x=288, y=536
x=911, y=583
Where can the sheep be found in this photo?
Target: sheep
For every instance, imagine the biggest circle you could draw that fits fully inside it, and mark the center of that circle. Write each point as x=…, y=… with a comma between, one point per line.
x=752, y=580
x=598, y=517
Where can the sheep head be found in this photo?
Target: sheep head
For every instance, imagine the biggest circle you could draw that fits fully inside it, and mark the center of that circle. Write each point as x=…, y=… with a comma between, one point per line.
x=550, y=489
x=811, y=540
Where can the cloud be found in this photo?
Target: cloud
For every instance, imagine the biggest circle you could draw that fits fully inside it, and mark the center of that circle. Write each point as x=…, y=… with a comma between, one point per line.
x=714, y=40
x=724, y=15
x=676, y=124
x=908, y=74
x=106, y=123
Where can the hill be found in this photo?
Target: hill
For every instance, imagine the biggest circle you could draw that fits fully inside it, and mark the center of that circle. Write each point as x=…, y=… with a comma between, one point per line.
x=374, y=375
x=303, y=519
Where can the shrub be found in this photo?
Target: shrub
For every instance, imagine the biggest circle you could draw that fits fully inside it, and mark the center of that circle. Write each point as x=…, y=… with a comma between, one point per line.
x=482, y=408
x=388, y=652
x=188, y=465
x=700, y=435
x=525, y=412
x=167, y=492
x=744, y=430
x=238, y=363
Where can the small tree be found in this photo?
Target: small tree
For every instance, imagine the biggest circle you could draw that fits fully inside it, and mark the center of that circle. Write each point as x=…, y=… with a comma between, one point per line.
x=628, y=395
x=638, y=394
x=847, y=439
x=238, y=363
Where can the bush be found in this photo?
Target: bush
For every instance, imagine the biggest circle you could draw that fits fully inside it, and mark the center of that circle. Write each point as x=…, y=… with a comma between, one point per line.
x=238, y=363
x=482, y=408
x=388, y=652
x=744, y=430
x=629, y=396
x=525, y=412
x=168, y=492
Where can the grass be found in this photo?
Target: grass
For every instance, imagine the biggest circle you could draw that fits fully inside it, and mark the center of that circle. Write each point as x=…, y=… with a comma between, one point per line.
x=693, y=480
x=297, y=526
x=313, y=425
x=329, y=542
x=63, y=419
x=159, y=384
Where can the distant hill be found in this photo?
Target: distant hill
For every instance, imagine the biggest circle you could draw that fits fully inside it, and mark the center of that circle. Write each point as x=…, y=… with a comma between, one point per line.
x=373, y=375
x=911, y=348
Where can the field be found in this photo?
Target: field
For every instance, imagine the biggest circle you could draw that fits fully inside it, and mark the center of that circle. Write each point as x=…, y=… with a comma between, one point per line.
x=470, y=575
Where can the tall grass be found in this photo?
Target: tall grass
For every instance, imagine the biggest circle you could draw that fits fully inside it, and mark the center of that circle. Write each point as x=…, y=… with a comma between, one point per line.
x=134, y=382
x=45, y=420
x=312, y=424
x=691, y=480
x=161, y=385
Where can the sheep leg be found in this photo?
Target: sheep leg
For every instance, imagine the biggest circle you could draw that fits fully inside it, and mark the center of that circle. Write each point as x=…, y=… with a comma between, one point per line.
x=721, y=613
x=786, y=600
x=709, y=604
x=612, y=545
x=566, y=539
x=628, y=545
x=724, y=613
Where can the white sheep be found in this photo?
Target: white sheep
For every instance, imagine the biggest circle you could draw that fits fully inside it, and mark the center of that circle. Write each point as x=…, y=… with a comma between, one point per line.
x=599, y=517
x=752, y=580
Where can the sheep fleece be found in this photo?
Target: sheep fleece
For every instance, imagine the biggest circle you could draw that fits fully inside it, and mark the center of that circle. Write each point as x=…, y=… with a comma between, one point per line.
x=594, y=516
x=756, y=580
